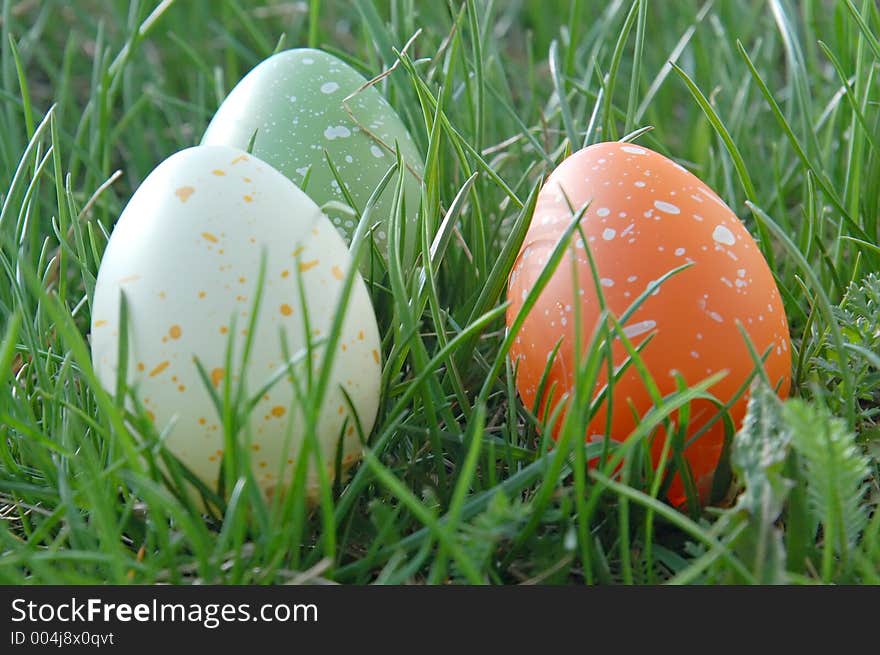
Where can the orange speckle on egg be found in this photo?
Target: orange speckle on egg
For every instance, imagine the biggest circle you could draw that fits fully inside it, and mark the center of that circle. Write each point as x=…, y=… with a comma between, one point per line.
x=100, y=323
x=151, y=416
x=360, y=335
x=305, y=266
x=212, y=458
x=162, y=295
x=159, y=368
x=242, y=280
x=263, y=465
x=181, y=388
x=350, y=430
x=184, y=193
x=248, y=198
x=202, y=294
x=342, y=409
x=376, y=355
x=252, y=240
x=285, y=273
x=202, y=420
x=223, y=329
x=255, y=447
x=141, y=366
x=315, y=231
x=216, y=376
x=164, y=339
x=218, y=172
x=238, y=159
x=278, y=411
x=174, y=332
x=289, y=460
x=298, y=251
x=286, y=309
x=129, y=278
x=246, y=179
x=174, y=378
x=209, y=237
x=244, y=332
x=337, y=273
x=219, y=452
x=344, y=347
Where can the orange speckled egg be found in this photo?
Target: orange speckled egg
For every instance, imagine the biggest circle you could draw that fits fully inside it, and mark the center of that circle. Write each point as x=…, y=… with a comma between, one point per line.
x=646, y=216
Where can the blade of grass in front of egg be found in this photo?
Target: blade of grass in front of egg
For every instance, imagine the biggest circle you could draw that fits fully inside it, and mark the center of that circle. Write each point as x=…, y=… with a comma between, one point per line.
x=532, y=296
x=571, y=432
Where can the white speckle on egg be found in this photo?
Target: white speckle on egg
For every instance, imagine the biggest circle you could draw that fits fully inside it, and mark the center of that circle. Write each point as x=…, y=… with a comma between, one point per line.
x=336, y=132
x=609, y=233
x=639, y=328
x=666, y=207
x=633, y=150
x=603, y=211
x=376, y=151
x=329, y=87
x=723, y=235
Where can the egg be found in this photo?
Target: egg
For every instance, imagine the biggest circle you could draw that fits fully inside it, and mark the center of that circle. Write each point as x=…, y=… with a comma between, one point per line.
x=295, y=104
x=645, y=216
x=186, y=253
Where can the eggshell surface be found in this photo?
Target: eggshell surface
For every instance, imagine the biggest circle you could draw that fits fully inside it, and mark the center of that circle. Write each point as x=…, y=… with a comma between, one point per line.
x=295, y=103
x=647, y=216
x=186, y=252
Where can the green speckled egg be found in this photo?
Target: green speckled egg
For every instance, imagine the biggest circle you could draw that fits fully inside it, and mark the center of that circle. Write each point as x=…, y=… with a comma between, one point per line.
x=293, y=101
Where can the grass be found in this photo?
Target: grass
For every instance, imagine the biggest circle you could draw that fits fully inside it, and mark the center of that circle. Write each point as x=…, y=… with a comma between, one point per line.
x=773, y=104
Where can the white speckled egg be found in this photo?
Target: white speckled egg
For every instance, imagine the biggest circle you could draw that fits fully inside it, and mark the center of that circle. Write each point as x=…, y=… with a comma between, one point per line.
x=293, y=105
x=186, y=253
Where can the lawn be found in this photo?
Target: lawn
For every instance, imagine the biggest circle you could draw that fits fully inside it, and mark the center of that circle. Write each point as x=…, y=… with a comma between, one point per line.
x=775, y=105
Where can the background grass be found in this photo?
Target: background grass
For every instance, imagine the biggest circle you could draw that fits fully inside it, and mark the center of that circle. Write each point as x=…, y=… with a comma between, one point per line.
x=774, y=104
